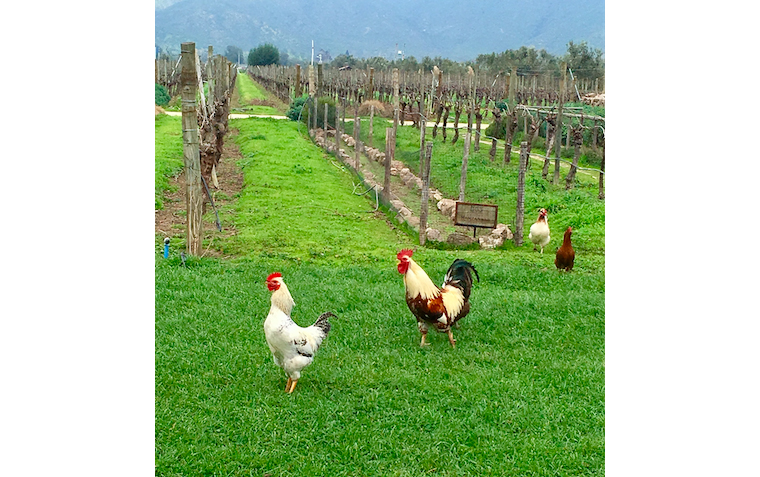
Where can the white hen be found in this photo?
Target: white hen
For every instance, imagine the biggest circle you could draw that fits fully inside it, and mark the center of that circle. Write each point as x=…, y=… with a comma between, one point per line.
x=539, y=231
x=293, y=347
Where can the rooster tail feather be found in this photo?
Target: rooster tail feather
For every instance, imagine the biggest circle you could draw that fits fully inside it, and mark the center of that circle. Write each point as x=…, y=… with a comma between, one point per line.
x=322, y=322
x=460, y=275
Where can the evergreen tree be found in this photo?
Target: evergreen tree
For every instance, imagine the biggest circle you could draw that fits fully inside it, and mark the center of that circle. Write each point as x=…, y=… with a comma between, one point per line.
x=266, y=54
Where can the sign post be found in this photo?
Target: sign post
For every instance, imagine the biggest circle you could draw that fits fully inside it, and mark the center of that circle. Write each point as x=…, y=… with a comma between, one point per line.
x=476, y=215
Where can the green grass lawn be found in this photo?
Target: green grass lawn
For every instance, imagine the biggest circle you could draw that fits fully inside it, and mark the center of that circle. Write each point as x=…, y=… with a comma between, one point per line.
x=169, y=160
x=251, y=94
x=522, y=394
x=494, y=183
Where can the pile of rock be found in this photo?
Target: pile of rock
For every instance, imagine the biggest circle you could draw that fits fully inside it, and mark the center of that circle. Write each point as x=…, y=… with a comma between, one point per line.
x=497, y=237
x=447, y=207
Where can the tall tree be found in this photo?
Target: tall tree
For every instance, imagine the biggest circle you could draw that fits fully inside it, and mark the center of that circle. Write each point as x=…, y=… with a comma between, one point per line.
x=584, y=61
x=266, y=54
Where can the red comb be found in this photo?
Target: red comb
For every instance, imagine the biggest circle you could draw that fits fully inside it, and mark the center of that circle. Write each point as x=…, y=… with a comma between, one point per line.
x=273, y=276
x=404, y=253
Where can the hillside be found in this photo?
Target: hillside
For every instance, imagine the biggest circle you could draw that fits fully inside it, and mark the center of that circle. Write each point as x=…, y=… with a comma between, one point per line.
x=428, y=28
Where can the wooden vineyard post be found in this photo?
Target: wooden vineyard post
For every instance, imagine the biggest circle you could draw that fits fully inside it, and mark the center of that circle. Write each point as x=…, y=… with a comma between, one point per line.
x=422, y=140
x=390, y=143
x=577, y=133
x=343, y=114
x=191, y=151
x=371, y=91
x=395, y=102
x=511, y=115
x=497, y=120
x=312, y=97
x=550, y=133
x=358, y=147
x=520, y=209
x=601, y=176
x=324, y=123
x=478, y=122
x=558, y=130
x=338, y=132
x=371, y=121
x=425, y=191
x=320, y=78
x=297, y=85
x=210, y=79
x=467, y=139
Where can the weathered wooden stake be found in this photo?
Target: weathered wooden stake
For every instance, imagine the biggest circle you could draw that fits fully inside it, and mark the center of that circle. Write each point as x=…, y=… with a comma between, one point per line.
x=425, y=191
x=478, y=121
x=423, y=127
x=338, y=131
x=320, y=77
x=395, y=103
x=577, y=134
x=358, y=147
x=550, y=133
x=511, y=117
x=465, y=159
x=371, y=91
x=468, y=136
x=191, y=151
x=390, y=146
x=601, y=176
x=520, y=209
x=313, y=97
x=343, y=114
x=297, y=84
x=371, y=121
x=558, y=131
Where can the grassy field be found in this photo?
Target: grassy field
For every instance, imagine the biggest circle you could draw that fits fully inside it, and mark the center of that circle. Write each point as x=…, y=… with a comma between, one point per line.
x=168, y=152
x=522, y=394
x=495, y=183
x=255, y=100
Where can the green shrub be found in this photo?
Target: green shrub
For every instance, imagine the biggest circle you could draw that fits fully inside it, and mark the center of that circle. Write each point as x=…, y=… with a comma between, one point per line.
x=297, y=107
x=162, y=95
x=294, y=112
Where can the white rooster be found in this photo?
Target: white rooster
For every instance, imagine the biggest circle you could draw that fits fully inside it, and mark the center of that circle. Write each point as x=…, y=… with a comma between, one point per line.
x=293, y=347
x=539, y=231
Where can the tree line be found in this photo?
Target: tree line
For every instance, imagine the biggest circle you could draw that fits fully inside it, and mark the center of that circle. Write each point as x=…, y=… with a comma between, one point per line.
x=584, y=61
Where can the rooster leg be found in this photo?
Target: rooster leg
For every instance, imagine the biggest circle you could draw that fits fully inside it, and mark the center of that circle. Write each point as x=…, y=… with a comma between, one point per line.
x=422, y=343
x=287, y=386
x=424, y=330
x=451, y=339
x=293, y=386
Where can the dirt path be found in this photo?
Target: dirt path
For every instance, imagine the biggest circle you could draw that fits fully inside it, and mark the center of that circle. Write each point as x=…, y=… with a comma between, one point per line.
x=171, y=220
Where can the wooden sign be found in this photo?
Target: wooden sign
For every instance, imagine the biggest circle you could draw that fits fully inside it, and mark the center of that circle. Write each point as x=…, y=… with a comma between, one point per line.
x=476, y=215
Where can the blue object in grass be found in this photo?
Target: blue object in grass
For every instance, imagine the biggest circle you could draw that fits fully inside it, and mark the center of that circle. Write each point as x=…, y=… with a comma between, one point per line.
x=166, y=247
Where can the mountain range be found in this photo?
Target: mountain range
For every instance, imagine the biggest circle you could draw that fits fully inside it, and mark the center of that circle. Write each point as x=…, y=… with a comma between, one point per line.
x=457, y=30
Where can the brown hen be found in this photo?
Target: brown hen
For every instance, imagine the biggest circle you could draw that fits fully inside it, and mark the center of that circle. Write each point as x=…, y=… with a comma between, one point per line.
x=565, y=254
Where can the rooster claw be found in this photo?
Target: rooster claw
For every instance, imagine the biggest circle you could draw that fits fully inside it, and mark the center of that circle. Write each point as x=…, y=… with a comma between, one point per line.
x=452, y=340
